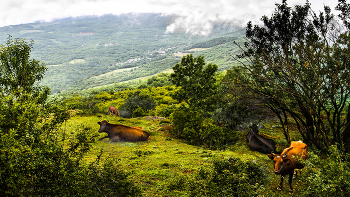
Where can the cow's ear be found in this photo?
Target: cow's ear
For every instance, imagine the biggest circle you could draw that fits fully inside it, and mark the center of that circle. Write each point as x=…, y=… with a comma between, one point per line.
x=99, y=123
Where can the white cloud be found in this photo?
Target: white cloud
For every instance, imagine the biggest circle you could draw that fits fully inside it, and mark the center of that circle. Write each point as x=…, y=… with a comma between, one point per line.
x=195, y=16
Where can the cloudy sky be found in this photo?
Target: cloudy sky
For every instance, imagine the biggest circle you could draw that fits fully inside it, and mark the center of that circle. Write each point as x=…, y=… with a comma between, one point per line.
x=195, y=16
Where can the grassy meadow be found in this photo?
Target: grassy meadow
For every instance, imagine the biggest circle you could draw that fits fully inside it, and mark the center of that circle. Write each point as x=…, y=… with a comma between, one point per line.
x=154, y=164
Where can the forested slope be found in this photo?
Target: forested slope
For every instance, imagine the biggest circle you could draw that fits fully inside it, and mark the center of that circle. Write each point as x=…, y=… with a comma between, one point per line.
x=80, y=52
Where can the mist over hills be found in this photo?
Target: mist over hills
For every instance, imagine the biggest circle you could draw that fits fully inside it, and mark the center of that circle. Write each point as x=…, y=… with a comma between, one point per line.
x=92, y=51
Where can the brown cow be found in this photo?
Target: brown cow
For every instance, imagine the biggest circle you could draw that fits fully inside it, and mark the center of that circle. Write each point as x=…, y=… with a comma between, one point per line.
x=118, y=132
x=113, y=110
x=286, y=162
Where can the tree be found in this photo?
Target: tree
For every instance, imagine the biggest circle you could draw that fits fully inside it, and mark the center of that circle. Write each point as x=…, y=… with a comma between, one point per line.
x=196, y=81
x=298, y=63
x=18, y=71
x=137, y=104
x=36, y=158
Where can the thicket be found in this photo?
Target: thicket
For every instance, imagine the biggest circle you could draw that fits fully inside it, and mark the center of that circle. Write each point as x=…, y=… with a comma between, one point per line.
x=192, y=126
x=202, y=94
x=36, y=158
x=137, y=104
x=225, y=177
x=326, y=175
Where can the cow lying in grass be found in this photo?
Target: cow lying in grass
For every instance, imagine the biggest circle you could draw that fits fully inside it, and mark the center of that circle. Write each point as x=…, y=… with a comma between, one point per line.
x=258, y=143
x=118, y=132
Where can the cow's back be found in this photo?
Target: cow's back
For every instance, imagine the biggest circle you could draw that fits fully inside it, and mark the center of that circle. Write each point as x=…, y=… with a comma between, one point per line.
x=259, y=143
x=132, y=134
x=296, y=148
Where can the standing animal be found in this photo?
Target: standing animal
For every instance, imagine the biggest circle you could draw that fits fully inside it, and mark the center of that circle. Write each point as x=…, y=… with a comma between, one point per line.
x=118, y=132
x=113, y=110
x=288, y=160
x=258, y=142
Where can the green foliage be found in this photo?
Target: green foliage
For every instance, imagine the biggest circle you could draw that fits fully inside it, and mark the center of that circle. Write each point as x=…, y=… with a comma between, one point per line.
x=137, y=104
x=214, y=42
x=138, y=112
x=327, y=175
x=159, y=80
x=85, y=104
x=228, y=177
x=166, y=111
x=33, y=157
x=88, y=52
x=196, y=81
x=106, y=178
x=299, y=68
x=194, y=128
x=233, y=100
x=18, y=72
x=36, y=159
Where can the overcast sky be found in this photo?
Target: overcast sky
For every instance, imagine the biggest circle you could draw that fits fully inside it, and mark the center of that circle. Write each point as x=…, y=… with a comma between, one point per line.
x=196, y=16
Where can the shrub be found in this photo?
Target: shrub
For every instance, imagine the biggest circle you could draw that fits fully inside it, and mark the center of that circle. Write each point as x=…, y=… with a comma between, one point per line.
x=191, y=126
x=328, y=176
x=227, y=177
x=138, y=99
x=138, y=112
x=166, y=111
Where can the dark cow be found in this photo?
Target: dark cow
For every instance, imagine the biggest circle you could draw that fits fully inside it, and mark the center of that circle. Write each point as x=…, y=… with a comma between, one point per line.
x=258, y=142
x=289, y=160
x=118, y=132
x=113, y=110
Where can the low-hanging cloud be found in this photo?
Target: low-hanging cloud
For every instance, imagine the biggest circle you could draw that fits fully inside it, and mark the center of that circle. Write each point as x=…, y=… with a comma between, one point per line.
x=196, y=17
x=199, y=19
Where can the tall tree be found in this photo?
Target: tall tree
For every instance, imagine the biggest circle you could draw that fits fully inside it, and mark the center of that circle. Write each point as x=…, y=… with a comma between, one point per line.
x=298, y=62
x=18, y=71
x=196, y=81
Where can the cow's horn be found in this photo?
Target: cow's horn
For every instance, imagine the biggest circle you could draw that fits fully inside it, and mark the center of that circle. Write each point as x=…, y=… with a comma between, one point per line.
x=284, y=156
x=273, y=154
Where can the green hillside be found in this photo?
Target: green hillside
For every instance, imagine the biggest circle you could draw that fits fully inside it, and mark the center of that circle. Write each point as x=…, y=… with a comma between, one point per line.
x=91, y=51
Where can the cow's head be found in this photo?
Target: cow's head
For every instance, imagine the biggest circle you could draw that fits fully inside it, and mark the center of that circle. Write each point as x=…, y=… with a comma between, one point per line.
x=283, y=164
x=102, y=126
x=254, y=128
x=277, y=162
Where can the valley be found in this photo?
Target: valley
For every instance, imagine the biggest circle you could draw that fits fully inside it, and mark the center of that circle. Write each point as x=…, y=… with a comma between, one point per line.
x=87, y=52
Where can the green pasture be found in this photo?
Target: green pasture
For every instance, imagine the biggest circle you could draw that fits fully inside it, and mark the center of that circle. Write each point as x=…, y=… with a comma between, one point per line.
x=162, y=159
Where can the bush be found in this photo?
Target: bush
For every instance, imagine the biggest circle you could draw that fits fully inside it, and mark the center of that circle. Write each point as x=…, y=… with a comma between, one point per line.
x=85, y=104
x=166, y=111
x=191, y=126
x=328, y=176
x=138, y=99
x=227, y=177
x=138, y=112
